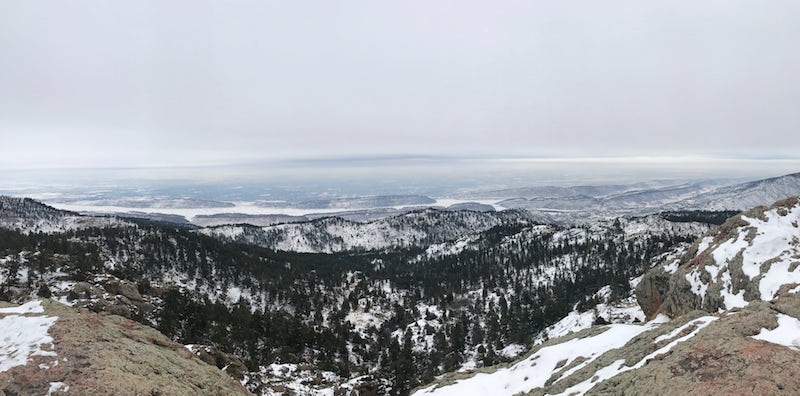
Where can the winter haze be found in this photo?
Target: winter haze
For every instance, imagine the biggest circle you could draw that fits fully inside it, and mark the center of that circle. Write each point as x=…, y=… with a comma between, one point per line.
x=297, y=100
x=188, y=83
x=399, y=198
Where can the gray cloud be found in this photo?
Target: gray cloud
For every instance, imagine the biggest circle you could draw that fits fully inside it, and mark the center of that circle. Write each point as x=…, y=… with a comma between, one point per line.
x=102, y=83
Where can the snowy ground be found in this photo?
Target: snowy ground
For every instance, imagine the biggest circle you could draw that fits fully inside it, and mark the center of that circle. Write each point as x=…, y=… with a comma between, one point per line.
x=301, y=379
x=536, y=369
x=773, y=238
x=24, y=336
x=787, y=333
x=625, y=311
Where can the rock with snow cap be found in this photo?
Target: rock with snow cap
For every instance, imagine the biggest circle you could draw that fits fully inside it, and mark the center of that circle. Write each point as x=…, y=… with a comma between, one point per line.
x=750, y=257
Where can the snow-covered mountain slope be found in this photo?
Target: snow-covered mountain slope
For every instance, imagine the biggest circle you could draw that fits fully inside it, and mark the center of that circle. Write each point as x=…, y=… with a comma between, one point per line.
x=332, y=234
x=744, y=275
x=746, y=195
x=750, y=257
x=586, y=199
x=436, y=230
x=466, y=303
x=596, y=191
x=241, y=218
x=581, y=204
x=28, y=216
x=752, y=351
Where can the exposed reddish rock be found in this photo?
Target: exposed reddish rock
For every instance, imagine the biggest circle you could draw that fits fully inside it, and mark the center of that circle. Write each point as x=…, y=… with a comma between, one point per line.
x=102, y=354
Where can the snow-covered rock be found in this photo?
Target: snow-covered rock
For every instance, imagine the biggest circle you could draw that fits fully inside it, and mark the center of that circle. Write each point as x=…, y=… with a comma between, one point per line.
x=47, y=348
x=731, y=273
x=750, y=257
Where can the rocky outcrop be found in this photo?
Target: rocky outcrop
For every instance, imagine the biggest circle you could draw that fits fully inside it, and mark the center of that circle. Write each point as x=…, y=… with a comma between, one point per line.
x=109, y=294
x=230, y=364
x=746, y=259
x=722, y=359
x=103, y=354
x=725, y=319
x=693, y=354
x=125, y=289
x=652, y=291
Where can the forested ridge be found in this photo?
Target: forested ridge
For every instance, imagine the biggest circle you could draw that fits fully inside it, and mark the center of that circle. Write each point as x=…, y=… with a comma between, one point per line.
x=401, y=315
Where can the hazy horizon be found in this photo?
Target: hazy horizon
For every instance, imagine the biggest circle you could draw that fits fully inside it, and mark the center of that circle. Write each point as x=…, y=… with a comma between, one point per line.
x=434, y=176
x=95, y=84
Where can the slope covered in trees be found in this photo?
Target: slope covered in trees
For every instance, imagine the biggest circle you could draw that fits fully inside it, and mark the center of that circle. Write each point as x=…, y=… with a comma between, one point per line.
x=394, y=317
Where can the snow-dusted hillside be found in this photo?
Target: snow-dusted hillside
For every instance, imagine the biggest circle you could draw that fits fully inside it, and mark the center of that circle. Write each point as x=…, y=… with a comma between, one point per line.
x=332, y=234
x=753, y=257
x=750, y=257
x=746, y=195
x=496, y=285
x=549, y=362
x=29, y=216
x=579, y=205
x=438, y=231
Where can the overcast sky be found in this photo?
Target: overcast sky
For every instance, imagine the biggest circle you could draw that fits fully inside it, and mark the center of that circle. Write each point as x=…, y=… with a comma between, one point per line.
x=141, y=83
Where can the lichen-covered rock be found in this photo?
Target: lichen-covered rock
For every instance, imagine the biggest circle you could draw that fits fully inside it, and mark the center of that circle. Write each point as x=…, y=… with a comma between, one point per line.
x=748, y=258
x=652, y=290
x=722, y=359
x=230, y=364
x=123, y=288
x=102, y=354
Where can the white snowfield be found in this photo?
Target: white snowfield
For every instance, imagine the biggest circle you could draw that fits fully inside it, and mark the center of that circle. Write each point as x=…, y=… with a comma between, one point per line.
x=22, y=337
x=57, y=386
x=550, y=361
x=787, y=333
x=775, y=239
x=331, y=235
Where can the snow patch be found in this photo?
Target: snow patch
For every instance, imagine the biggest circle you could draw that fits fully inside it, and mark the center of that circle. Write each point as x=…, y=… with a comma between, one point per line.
x=704, y=244
x=787, y=333
x=513, y=350
x=698, y=286
x=23, y=337
x=618, y=367
x=57, y=386
x=535, y=370
x=29, y=307
x=777, y=276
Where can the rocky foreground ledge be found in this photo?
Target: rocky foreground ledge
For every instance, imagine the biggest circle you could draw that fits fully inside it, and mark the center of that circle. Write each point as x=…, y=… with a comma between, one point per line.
x=47, y=348
x=724, y=318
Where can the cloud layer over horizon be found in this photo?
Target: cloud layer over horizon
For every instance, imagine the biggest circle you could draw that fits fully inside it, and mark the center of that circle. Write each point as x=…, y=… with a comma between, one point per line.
x=147, y=83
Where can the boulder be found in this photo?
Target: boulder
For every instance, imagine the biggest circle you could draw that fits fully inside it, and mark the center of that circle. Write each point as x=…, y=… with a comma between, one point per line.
x=123, y=288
